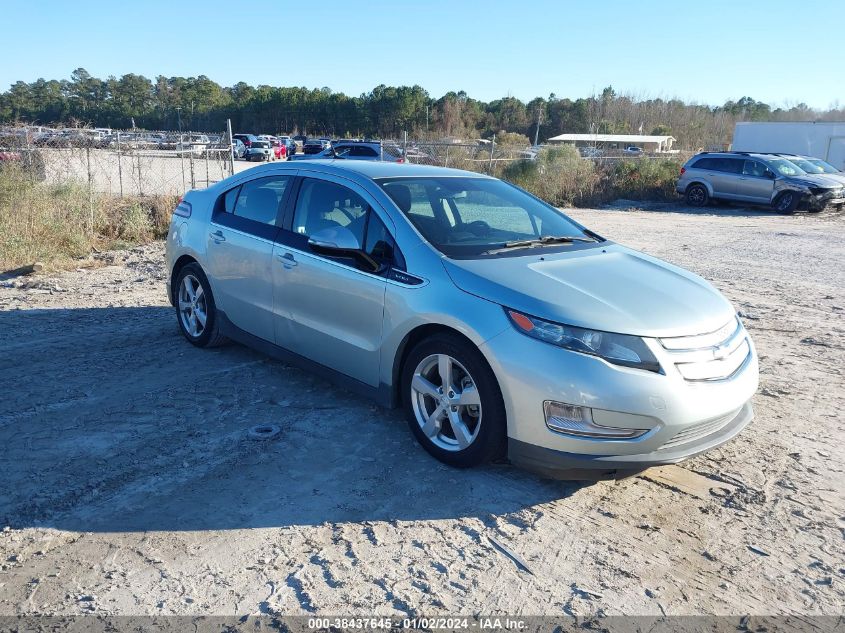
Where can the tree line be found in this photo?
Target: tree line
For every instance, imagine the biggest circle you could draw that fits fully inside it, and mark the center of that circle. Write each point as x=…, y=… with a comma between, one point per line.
x=200, y=104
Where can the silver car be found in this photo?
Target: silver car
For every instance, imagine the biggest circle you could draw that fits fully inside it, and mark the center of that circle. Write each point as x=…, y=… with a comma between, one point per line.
x=765, y=179
x=500, y=325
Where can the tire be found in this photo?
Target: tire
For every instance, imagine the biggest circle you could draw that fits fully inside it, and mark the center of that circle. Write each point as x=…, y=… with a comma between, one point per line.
x=786, y=202
x=697, y=196
x=209, y=334
x=483, y=425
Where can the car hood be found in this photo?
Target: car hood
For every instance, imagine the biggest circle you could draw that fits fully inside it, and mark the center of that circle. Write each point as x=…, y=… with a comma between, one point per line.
x=609, y=287
x=817, y=180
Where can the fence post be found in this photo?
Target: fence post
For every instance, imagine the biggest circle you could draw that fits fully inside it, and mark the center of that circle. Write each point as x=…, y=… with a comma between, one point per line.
x=492, y=146
x=119, y=166
x=207, y=177
x=381, y=150
x=181, y=149
x=90, y=188
x=405, y=146
x=231, y=147
x=191, y=163
x=446, y=164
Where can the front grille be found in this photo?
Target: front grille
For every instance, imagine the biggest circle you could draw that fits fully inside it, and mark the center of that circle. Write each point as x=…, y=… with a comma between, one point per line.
x=713, y=356
x=699, y=430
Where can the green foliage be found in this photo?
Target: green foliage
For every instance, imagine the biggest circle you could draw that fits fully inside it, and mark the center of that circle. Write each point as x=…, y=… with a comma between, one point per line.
x=562, y=178
x=643, y=179
x=200, y=104
x=558, y=175
x=511, y=139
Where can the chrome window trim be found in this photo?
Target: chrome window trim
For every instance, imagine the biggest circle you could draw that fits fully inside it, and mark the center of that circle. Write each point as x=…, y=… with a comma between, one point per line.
x=424, y=283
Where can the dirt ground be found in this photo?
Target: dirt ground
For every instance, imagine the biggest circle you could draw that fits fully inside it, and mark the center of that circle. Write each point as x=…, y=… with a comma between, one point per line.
x=129, y=483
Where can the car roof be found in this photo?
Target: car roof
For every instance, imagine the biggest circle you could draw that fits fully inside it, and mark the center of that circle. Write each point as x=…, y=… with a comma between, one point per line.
x=372, y=170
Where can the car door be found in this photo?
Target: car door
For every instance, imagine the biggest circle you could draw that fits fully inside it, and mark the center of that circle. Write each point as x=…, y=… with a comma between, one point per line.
x=328, y=309
x=724, y=177
x=756, y=183
x=239, y=250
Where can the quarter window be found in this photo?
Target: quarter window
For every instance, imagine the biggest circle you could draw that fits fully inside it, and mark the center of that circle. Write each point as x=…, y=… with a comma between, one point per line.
x=257, y=200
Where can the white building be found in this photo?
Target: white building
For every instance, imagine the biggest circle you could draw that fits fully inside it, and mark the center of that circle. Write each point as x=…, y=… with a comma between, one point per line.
x=822, y=139
x=647, y=142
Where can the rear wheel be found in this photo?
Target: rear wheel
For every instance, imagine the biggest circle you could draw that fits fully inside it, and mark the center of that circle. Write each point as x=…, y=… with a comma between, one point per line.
x=697, y=196
x=453, y=402
x=195, y=308
x=787, y=202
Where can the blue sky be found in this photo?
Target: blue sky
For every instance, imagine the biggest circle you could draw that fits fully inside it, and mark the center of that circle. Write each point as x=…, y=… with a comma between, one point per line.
x=781, y=52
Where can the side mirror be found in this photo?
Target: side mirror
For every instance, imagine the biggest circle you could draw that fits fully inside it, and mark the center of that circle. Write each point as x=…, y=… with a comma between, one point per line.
x=770, y=174
x=334, y=238
x=338, y=241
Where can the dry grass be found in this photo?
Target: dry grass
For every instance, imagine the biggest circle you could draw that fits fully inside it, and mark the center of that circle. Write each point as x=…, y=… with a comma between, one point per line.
x=58, y=224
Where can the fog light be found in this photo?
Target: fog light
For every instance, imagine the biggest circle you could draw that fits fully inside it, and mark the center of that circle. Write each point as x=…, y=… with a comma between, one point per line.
x=571, y=419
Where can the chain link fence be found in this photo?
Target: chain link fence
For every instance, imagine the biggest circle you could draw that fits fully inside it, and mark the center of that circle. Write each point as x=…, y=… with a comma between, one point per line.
x=120, y=163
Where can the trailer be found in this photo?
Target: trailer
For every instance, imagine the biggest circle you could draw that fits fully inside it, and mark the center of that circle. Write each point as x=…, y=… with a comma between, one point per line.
x=821, y=139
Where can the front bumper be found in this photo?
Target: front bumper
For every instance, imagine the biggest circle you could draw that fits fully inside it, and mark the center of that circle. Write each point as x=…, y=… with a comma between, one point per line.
x=683, y=417
x=561, y=465
x=818, y=202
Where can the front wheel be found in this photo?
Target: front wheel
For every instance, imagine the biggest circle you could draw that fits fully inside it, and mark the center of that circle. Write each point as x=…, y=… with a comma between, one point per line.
x=697, y=196
x=787, y=202
x=453, y=402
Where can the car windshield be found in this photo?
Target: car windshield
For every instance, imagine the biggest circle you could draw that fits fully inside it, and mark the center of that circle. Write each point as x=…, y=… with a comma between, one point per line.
x=467, y=217
x=826, y=168
x=785, y=168
x=806, y=165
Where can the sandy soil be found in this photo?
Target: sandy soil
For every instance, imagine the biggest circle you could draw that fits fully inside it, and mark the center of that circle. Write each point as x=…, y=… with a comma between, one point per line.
x=130, y=484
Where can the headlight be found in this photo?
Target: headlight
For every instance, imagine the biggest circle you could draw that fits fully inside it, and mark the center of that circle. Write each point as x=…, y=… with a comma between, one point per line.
x=619, y=349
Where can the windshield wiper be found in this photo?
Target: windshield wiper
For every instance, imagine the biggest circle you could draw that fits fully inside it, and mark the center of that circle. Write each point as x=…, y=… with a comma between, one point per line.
x=548, y=239
x=541, y=241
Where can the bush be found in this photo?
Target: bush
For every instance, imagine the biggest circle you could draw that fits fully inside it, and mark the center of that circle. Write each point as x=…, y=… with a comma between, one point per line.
x=561, y=177
x=644, y=179
x=558, y=175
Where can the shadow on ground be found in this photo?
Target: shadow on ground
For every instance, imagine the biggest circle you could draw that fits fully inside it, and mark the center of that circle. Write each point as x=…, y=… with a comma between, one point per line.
x=112, y=422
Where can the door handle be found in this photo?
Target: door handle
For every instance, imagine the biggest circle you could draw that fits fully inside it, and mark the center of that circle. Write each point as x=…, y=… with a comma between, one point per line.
x=218, y=237
x=287, y=260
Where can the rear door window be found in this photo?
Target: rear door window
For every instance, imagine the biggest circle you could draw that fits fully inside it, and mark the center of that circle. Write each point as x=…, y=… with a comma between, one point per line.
x=253, y=207
x=730, y=165
x=363, y=151
x=704, y=163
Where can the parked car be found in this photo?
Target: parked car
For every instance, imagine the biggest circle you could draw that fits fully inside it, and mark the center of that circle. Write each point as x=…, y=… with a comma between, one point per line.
x=590, y=152
x=246, y=139
x=816, y=166
x=290, y=145
x=300, y=140
x=238, y=149
x=359, y=151
x=757, y=179
x=313, y=147
x=489, y=331
x=280, y=151
x=633, y=150
x=259, y=150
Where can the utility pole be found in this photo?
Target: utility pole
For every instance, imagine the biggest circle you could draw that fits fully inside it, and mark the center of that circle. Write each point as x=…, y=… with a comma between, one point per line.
x=539, y=120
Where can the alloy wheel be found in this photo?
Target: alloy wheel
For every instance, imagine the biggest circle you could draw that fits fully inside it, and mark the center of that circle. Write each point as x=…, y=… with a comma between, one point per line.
x=193, y=308
x=446, y=402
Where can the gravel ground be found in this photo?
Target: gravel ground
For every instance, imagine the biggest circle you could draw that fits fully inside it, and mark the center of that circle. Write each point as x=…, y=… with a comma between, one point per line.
x=130, y=484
